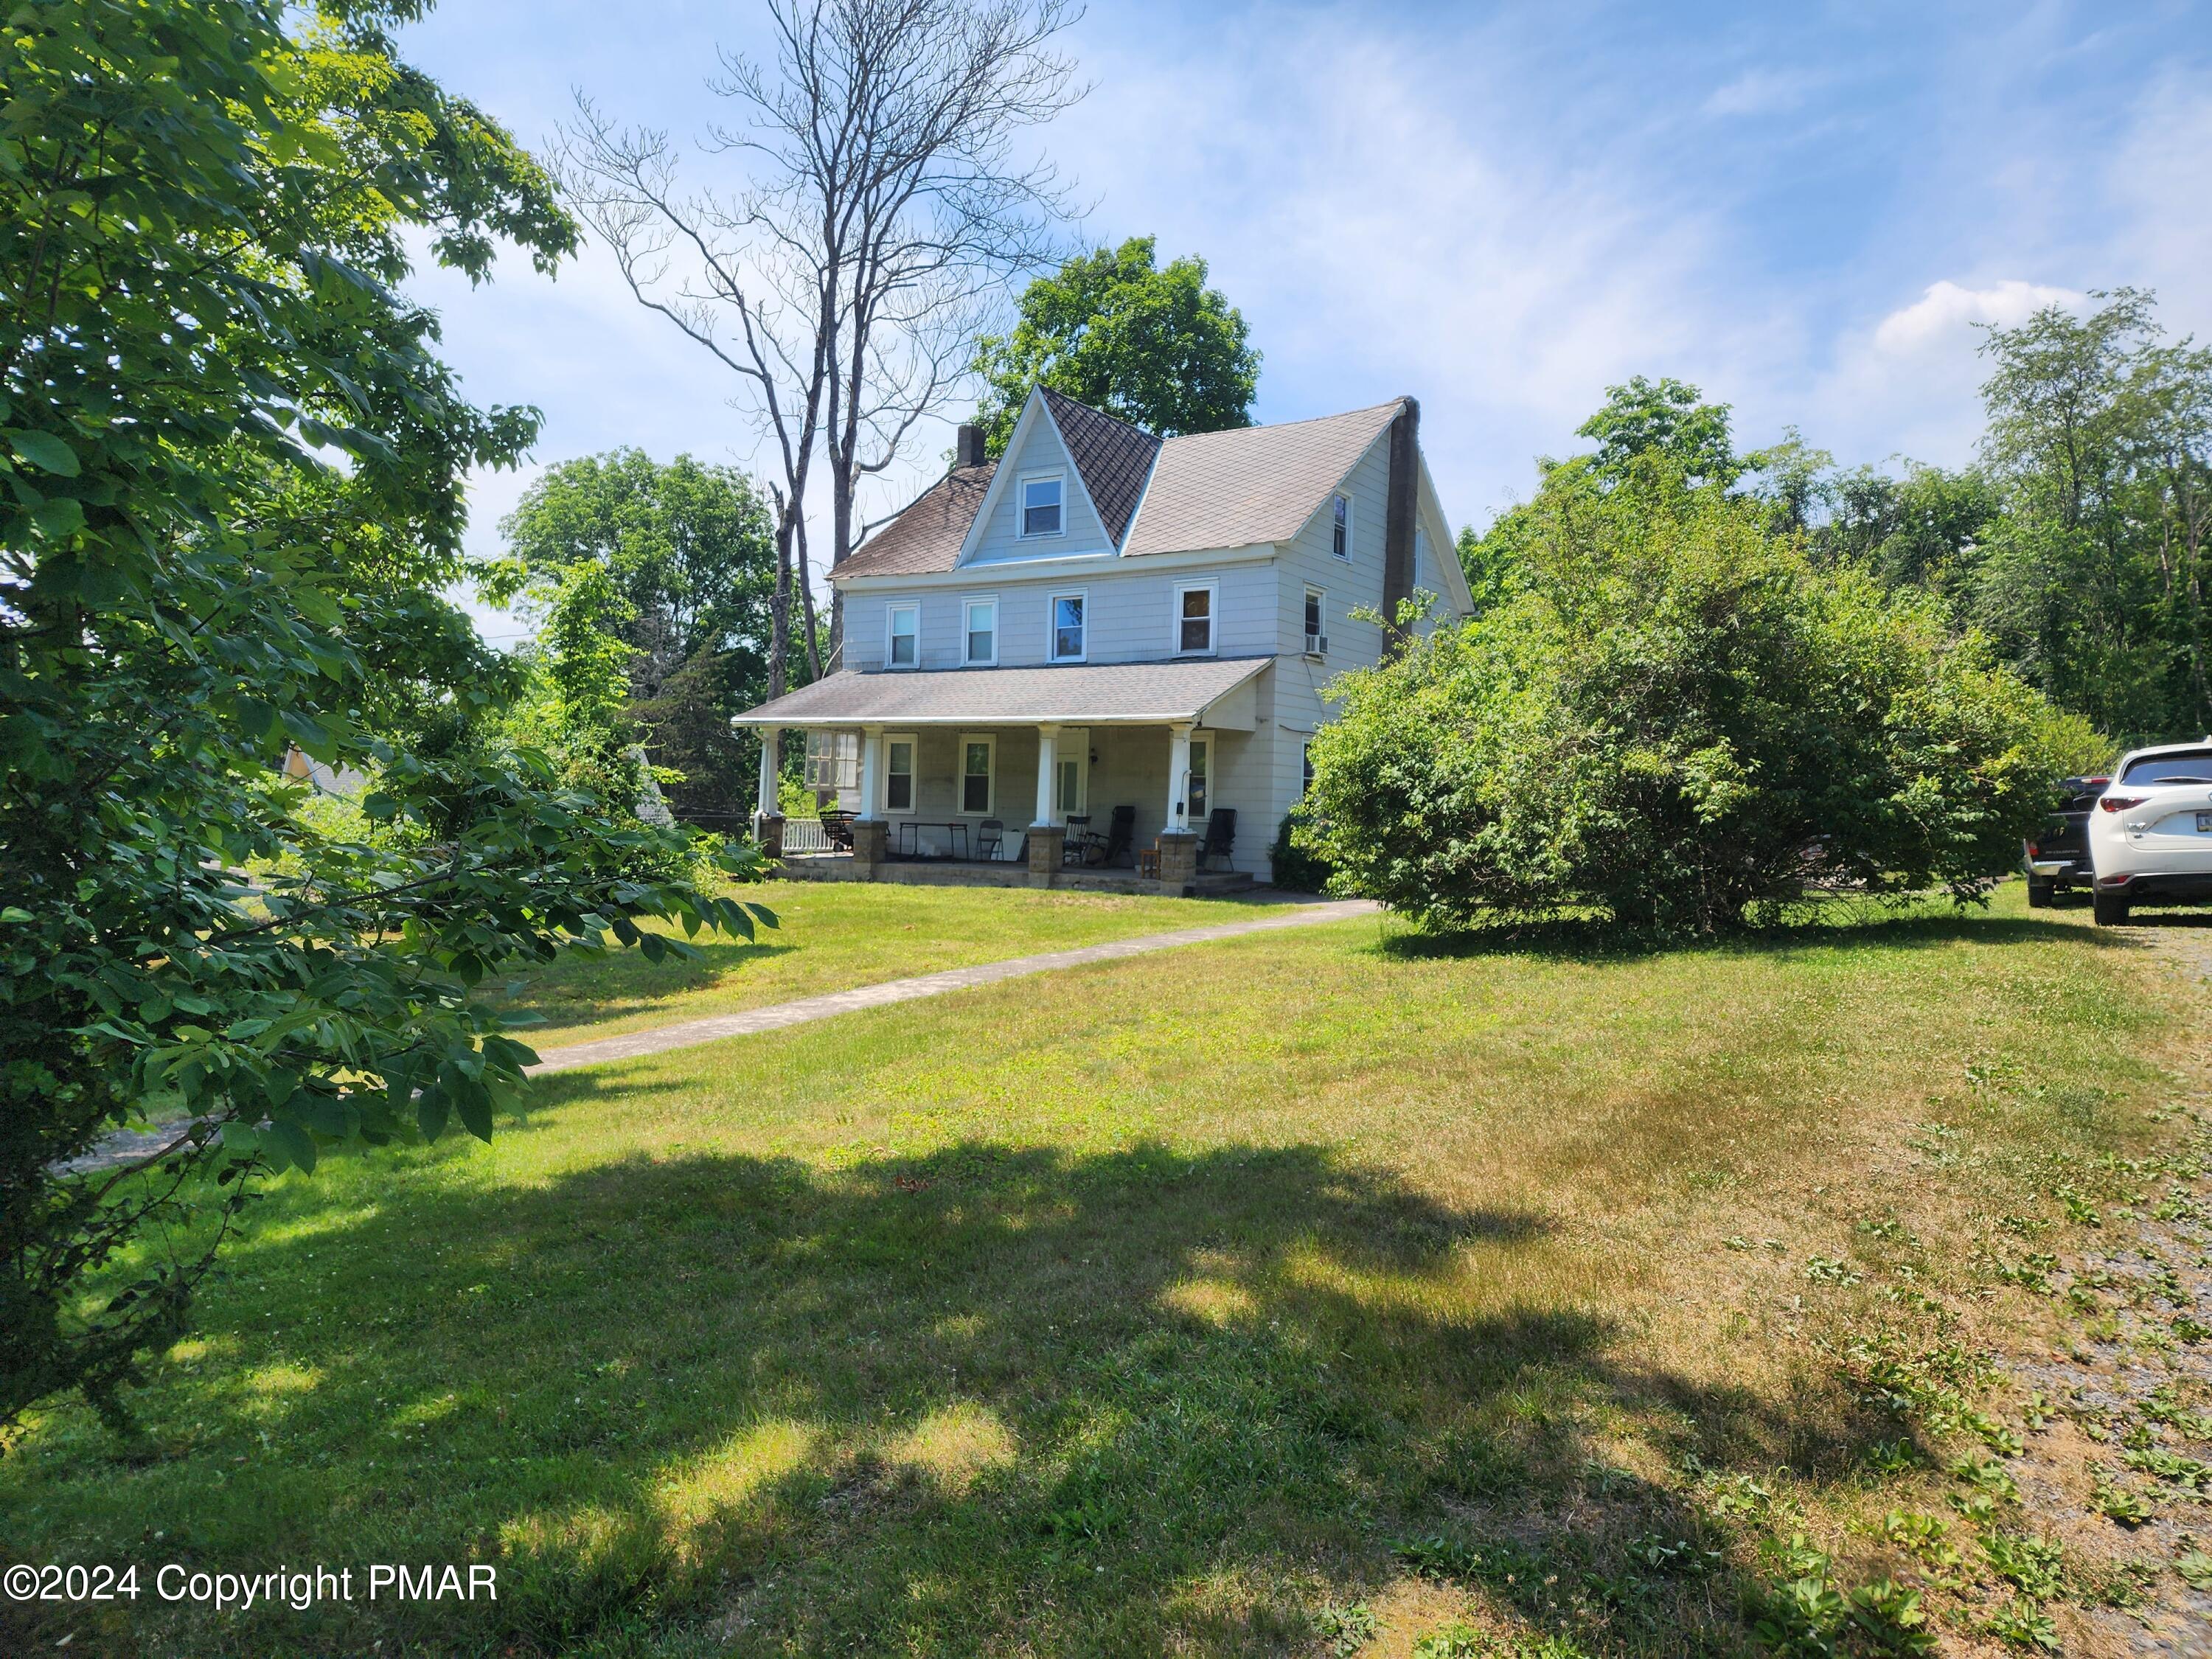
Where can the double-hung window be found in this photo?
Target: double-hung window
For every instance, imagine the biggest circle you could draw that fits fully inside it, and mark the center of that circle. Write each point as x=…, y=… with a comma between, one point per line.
x=979, y=762
x=1340, y=527
x=898, y=773
x=1067, y=626
x=1042, y=509
x=1194, y=618
x=902, y=636
x=1305, y=770
x=979, y=630
x=1317, y=622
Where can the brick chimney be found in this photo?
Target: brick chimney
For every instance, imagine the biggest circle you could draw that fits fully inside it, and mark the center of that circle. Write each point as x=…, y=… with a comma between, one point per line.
x=1400, y=508
x=968, y=446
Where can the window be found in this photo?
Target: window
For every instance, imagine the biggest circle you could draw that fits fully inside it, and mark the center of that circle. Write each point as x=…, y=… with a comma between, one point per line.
x=833, y=760
x=1317, y=622
x=898, y=773
x=1068, y=635
x=1041, y=505
x=979, y=625
x=902, y=643
x=979, y=758
x=1340, y=530
x=1194, y=618
x=1305, y=770
x=1196, y=797
x=2194, y=766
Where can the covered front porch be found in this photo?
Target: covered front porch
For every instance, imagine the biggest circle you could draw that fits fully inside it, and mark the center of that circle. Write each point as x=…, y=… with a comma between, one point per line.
x=945, y=789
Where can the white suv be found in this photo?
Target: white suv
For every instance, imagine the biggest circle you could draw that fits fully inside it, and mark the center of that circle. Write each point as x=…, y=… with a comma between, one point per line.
x=2150, y=838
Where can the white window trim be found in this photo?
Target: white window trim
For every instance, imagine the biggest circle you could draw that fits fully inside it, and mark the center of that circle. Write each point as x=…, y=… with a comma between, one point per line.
x=1199, y=741
x=890, y=611
x=913, y=795
x=1312, y=592
x=1212, y=648
x=1351, y=515
x=1022, y=482
x=1052, y=624
x=998, y=619
x=960, y=776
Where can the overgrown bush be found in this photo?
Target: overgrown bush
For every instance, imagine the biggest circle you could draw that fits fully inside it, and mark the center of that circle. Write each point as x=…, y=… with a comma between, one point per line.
x=1680, y=722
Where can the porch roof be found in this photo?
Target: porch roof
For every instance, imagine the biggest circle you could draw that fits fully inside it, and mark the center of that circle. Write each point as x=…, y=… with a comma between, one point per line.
x=1080, y=694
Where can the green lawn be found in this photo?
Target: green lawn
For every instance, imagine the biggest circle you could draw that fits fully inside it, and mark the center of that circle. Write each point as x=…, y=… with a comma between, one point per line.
x=1262, y=1298
x=833, y=936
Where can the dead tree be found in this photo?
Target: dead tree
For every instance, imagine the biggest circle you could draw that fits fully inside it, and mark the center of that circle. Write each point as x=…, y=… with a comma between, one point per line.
x=882, y=200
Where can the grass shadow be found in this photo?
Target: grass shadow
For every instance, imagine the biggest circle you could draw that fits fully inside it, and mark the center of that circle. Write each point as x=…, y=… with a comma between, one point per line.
x=994, y=1396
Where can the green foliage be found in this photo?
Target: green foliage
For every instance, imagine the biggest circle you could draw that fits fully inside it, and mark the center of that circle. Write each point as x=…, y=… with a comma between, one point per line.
x=1295, y=867
x=190, y=586
x=1662, y=419
x=687, y=558
x=1679, y=720
x=1149, y=344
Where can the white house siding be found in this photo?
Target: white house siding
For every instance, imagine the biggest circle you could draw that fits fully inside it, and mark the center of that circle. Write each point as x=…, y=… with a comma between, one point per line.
x=1001, y=538
x=1129, y=612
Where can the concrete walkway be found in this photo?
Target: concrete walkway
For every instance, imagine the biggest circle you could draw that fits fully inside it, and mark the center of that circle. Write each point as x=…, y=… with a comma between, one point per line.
x=685, y=1034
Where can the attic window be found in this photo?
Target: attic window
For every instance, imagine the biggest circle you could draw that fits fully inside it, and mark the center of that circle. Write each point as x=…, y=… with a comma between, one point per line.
x=1339, y=507
x=1041, y=505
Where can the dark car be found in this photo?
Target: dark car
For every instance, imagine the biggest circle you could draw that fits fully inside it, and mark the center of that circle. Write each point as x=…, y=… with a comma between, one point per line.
x=2058, y=859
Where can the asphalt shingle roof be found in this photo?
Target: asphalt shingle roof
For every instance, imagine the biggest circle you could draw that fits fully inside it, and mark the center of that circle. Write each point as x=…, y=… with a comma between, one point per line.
x=1243, y=488
x=1114, y=458
x=1123, y=693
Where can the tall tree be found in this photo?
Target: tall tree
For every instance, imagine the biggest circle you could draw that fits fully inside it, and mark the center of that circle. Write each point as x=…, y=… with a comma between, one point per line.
x=690, y=546
x=690, y=551
x=1664, y=416
x=2101, y=442
x=1151, y=345
x=884, y=196
x=203, y=222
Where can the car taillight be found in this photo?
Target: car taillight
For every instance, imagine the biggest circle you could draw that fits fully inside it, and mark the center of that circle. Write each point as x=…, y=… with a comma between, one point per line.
x=2034, y=849
x=2120, y=802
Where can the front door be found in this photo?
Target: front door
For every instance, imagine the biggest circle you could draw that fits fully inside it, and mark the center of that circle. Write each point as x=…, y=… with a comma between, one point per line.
x=1201, y=753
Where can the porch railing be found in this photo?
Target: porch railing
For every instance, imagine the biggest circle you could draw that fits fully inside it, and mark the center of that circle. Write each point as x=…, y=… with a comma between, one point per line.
x=805, y=835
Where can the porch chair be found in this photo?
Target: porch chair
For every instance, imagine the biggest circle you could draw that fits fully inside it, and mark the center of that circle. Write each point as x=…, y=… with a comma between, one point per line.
x=1220, y=835
x=1121, y=831
x=990, y=836
x=837, y=830
x=1079, y=839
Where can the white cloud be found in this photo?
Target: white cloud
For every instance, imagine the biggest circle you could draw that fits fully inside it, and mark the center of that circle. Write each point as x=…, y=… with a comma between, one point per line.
x=1943, y=315
x=1760, y=92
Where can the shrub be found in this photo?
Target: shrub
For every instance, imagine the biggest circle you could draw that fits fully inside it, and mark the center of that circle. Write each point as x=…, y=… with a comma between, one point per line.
x=1295, y=866
x=1680, y=722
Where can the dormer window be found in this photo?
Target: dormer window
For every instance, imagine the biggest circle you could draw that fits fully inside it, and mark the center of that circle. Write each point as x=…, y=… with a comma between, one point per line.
x=1339, y=508
x=1043, y=508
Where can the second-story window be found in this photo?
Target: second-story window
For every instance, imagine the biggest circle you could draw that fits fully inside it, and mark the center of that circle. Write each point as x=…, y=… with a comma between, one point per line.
x=904, y=647
x=1067, y=629
x=1195, y=618
x=1317, y=622
x=1340, y=533
x=980, y=631
x=1041, y=505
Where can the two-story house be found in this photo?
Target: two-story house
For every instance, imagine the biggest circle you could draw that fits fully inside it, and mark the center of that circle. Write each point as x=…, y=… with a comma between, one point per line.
x=1104, y=618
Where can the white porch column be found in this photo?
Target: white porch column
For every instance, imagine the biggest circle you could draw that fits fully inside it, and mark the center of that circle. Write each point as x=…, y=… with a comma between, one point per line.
x=770, y=792
x=1048, y=807
x=872, y=772
x=1179, y=777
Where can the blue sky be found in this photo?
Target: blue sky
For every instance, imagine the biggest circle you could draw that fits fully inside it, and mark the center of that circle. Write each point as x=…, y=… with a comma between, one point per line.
x=1802, y=208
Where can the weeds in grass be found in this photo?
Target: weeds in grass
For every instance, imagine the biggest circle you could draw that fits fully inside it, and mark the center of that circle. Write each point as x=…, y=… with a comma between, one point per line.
x=2021, y=1623
x=2035, y=1566
x=1344, y=1629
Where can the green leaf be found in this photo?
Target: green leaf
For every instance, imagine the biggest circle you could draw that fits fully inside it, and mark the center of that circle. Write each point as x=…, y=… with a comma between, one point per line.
x=43, y=451
x=294, y=1142
x=430, y=1113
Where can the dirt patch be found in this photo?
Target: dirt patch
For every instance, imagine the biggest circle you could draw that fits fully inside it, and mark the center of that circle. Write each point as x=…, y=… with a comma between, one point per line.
x=2121, y=1472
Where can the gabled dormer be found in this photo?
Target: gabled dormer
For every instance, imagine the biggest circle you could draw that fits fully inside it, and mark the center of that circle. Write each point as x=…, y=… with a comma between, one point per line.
x=1067, y=487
